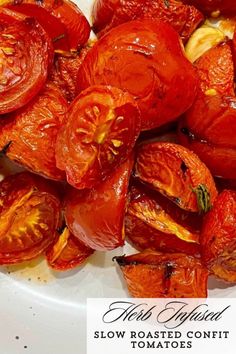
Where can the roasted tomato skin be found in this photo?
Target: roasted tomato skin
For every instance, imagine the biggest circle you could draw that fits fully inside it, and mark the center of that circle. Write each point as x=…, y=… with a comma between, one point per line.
x=218, y=237
x=96, y=216
x=161, y=275
x=102, y=127
x=154, y=222
x=177, y=173
x=209, y=6
x=209, y=127
x=107, y=14
x=25, y=59
x=31, y=133
x=67, y=252
x=30, y=216
x=149, y=52
x=62, y=20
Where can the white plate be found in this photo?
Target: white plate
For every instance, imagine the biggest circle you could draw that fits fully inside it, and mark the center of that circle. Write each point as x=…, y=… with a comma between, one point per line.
x=46, y=310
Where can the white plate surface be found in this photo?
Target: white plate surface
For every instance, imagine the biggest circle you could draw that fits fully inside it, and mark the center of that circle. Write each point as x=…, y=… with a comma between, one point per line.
x=44, y=312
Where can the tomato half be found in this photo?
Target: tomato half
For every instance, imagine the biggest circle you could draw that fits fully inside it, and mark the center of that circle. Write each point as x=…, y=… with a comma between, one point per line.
x=25, y=55
x=161, y=275
x=154, y=222
x=146, y=59
x=102, y=127
x=209, y=6
x=96, y=216
x=62, y=20
x=30, y=216
x=218, y=237
x=30, y=133
x=67, y=252
x=111, y=13
x=177, y=173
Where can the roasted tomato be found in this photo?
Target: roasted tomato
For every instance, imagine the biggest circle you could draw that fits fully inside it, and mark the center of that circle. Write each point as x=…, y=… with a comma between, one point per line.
x=209, y=127
x=67, y=252
x=25, y=55
x=146, y=59
x=65, y=71
x=28, y=135
x=61, y=19
x=109, y=13
x=154, y=222
x=152, y=274
x=218, y=237
x=177, y=173
x=96, y=216
x=102, y=127
x=209, y=6
x=30, y=217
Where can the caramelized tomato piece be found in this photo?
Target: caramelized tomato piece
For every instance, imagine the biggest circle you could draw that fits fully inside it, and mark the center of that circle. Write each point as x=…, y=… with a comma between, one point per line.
x=30, y=216
x=65, y=71
x=96, y=216
x=111, y=13
x=102, y=127
x=218, y=237
x=157, y=275
x=67, y=252
x=154, y=222
x=177, y=173
x=61, y=19
x=209, y=6
x=29, y=134
x=209, y=127
x=146, y=59
x=25, y=55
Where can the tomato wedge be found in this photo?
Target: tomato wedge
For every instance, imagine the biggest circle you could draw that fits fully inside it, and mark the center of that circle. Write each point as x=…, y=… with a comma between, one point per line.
x=161, y=275
x=25, y=55
x=30, y=216
x=28, y=136
x=96, y=216
x=177, y=173
x=67, y=252
x=62, y=20
x=102, y=127
x=111, y=13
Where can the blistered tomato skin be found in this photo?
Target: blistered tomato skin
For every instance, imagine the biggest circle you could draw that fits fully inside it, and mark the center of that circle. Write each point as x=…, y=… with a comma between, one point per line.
x=67, y=252
x=177, y=173
x=146, y=59
x=209, y=127
x=25, y=56
x=30, y=133
x=62, y=20
x=96, y=216
x=30, y=216
x=227, y=7
x=161, y=275
x=154, y=222
x=107, y=14
x=218, y=237
x=102, y=127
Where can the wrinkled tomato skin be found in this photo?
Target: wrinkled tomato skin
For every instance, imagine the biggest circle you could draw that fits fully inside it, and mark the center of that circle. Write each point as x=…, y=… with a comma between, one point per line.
x=107, y=14
x=218, y=237
x=146, y=59
x=67, y=252
x=102, y=127
x=62, y=20
x=64, y=72
x=96, y=216
x=26, y=56
x=209, y=127
x=161, y=275
x=31, y=133
x=209, y=6
x=30, y=216
x=154, y=222
x=176, y=172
